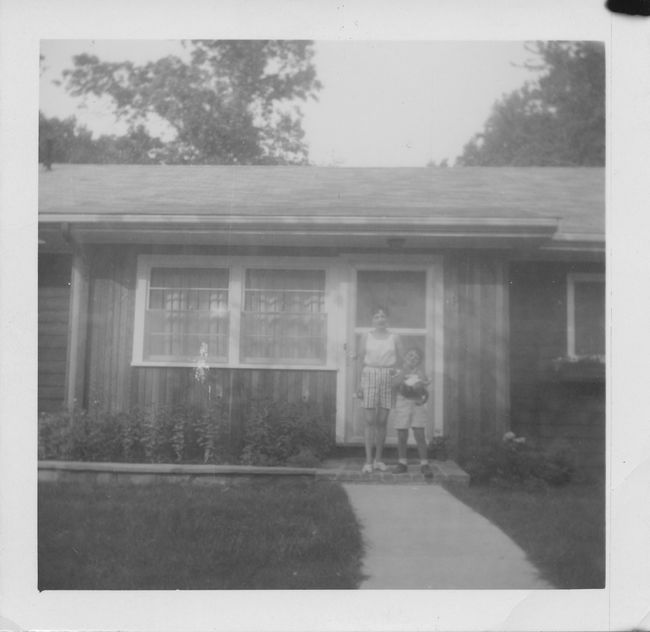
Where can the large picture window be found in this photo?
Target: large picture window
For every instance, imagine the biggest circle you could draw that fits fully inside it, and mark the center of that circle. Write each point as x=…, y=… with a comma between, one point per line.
x=586, y=315
x=243, y=314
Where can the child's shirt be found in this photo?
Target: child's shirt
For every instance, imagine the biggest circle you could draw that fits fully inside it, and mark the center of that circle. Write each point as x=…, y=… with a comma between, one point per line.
x=413, y=385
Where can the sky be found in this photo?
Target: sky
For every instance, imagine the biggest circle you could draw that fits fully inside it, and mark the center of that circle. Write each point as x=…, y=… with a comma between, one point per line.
x=383, y=103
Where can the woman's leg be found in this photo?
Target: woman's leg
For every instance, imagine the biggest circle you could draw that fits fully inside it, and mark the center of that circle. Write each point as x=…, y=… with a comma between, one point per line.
x=369, y=431
x=380, y=435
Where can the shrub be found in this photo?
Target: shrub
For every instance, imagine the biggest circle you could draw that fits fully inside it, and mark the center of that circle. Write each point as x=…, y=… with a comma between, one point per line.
x=514, y=462
x=279, y=431
x=79, y=435
x=158, y=435
x=55, y=435
x=440, y=448
x=304, y=458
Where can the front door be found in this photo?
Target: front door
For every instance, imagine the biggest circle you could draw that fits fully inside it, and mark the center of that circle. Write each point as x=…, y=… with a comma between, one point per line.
x=413, y=296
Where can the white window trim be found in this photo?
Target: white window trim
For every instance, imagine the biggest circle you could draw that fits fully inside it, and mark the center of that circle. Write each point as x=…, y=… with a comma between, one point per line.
x=572, y=279
x=334, y=305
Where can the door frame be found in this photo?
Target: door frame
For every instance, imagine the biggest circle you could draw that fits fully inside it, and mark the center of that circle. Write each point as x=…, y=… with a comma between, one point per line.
x=347, y=405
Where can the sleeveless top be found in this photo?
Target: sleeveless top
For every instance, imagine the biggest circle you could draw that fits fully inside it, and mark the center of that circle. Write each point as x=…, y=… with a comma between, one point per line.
x=380, y=352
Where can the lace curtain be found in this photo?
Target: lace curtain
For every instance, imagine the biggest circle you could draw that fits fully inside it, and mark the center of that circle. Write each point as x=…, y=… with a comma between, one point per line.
x=284, y=320
x=187, y=307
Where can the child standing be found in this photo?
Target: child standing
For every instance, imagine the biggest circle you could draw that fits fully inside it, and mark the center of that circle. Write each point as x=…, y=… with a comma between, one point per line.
x=410, y=410
x=379, y=354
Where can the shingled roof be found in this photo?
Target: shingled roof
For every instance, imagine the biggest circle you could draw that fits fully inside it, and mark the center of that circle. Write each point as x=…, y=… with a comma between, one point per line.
x=574, y=197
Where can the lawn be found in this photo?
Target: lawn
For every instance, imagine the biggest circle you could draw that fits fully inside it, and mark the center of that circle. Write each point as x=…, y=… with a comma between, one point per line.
x=285, y=534
x=562, y=530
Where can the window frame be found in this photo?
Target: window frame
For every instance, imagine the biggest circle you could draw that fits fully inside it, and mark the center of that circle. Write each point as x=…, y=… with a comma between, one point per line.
x=361, y=330
x=264, y=361
x=237, y=266
x=151, y=287
x=572, y=279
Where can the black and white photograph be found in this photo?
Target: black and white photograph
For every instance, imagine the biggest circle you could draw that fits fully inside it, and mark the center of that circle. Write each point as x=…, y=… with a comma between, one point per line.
x=377, y=366
x=320, y=319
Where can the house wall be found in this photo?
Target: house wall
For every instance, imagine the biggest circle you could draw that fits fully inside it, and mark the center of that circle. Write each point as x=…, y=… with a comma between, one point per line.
x=550, y=408
x=53, y=317
x=476, y=375
x=475, y=337
x=113, y=384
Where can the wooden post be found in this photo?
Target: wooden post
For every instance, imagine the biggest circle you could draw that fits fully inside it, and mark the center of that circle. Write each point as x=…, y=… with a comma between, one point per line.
x=502, y=350
x=77, y=332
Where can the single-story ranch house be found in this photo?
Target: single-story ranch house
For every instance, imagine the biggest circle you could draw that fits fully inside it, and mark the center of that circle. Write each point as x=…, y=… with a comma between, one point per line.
x=497, y=273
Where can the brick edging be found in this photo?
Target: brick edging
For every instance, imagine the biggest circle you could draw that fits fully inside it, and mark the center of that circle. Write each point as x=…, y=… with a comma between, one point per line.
x=148, y=472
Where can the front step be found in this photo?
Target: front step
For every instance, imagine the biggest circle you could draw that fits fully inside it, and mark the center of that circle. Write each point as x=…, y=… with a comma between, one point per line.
x=349, y=471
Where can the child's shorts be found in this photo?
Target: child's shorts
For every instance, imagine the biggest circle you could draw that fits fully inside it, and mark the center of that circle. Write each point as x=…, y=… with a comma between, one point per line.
x=408, y=414
x=377, y=388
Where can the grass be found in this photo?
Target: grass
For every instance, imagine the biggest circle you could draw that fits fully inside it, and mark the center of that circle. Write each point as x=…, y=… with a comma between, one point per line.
x=562, y=530
x=289, y=534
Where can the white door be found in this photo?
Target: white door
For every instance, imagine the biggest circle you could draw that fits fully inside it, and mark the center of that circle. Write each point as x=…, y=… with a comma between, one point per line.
x=412, y=294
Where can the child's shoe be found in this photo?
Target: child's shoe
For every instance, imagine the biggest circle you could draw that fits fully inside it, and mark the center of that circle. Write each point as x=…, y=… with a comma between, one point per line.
x=378, y=465
x=401, y=468
x=366, y=469
x=427, y=471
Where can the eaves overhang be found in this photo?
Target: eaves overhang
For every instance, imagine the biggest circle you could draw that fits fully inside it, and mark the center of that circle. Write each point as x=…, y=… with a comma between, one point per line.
x=301, y=230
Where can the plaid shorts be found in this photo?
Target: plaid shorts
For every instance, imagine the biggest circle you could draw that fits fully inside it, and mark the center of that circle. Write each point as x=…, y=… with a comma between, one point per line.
x=376, y=387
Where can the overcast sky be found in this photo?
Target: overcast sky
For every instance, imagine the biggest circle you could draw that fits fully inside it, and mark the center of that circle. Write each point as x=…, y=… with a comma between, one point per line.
x=382, y=103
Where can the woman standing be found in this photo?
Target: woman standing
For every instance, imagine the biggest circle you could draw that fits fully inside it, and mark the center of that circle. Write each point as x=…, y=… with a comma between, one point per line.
x=380, y=353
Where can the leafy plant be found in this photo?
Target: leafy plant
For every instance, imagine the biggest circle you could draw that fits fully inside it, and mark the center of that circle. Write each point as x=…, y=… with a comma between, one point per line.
x=304, y=458
x=163, y=434
x=213, y=433
x=440, y=448
x=514, y=462
x=279, y=431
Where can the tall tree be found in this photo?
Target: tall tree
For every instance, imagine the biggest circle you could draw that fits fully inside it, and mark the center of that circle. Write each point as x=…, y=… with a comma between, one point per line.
x=557, y=120
x=234, y=102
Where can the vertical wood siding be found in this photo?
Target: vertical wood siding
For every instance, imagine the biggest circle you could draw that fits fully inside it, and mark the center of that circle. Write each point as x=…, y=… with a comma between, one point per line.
x=112, y=313
x=53, y=319
x=476, y=343
x=53, y=312
x=544, y=408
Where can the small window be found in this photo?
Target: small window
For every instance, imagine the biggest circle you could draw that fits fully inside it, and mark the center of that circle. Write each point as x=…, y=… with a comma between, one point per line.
x=185, y=308
x=586, y=315
x=284, y=320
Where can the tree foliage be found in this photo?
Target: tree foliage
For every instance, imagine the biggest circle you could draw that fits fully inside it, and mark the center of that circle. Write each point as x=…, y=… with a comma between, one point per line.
x=65, y=141
x=233, y=102
x=557, y=120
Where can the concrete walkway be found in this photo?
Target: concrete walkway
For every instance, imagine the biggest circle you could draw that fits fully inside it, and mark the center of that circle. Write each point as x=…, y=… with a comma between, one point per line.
x=420, y=536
